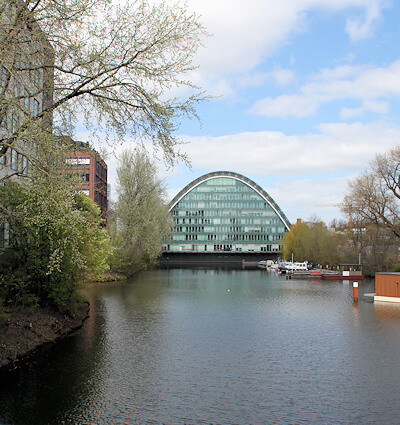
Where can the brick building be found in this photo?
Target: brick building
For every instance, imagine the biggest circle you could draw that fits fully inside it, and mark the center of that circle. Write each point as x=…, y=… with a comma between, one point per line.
x=92, y=169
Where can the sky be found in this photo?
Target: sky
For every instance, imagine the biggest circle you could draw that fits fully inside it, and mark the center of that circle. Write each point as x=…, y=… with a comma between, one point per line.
x=306, y=94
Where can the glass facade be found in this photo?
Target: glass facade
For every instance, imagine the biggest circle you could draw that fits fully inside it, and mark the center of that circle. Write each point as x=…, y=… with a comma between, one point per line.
x=225, y=212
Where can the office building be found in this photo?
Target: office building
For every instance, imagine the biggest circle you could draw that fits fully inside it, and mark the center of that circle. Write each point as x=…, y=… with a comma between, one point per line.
x=225, y=212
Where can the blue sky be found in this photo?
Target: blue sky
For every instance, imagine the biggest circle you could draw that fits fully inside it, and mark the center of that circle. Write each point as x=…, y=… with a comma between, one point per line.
x=307, y=93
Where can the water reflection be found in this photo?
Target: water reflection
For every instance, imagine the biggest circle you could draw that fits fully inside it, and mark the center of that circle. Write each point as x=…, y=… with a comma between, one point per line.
x=61, y=381
x=217, y=346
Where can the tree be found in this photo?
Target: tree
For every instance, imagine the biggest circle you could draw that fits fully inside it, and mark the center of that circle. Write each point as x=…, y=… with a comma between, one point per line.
x=142, y=216
x=312, y=242
x=110, y=66
x=374, y=196
x=56, y=238
x=374, y=246
x=294, y=242
x=372, y=204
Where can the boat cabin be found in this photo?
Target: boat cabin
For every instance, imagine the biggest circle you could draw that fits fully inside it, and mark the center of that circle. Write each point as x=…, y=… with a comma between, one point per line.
x=351, y=270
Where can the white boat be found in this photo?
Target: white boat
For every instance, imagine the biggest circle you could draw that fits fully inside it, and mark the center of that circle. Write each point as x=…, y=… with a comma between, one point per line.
x=298, y=266
x=289, y=267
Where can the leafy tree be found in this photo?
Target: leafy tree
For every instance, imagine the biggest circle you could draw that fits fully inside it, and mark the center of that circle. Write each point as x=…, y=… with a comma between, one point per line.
x=142, y=216
x=312, y=242
x=294, y=242
x=56, y=237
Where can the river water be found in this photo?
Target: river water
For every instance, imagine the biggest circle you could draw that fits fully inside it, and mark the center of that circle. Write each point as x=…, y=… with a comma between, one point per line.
x=217, y=347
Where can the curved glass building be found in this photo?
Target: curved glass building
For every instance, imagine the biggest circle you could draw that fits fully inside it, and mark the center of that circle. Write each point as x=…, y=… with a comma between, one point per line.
x=225, y=212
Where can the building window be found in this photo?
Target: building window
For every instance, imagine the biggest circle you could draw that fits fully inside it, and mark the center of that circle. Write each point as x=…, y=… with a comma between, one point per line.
x=3, y=119
x=14, y=159
x=25, y=165
x=18, y=60
x=14, y=122
x=36, y=77
x=27, y=100
x=3, y=76
x=36, y=107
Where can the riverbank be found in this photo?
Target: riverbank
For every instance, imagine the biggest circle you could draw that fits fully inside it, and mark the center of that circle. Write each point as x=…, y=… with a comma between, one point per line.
x=108, y=276
x=24, y=331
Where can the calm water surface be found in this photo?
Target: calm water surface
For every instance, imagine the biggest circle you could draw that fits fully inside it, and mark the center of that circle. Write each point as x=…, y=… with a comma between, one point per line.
x=217, y=347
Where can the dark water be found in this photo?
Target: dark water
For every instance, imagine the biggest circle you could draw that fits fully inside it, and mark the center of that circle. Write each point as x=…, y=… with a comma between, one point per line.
x=217, y=347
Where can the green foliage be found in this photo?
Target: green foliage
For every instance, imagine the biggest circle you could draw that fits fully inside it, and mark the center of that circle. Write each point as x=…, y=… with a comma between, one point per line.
x=56, y=238
x=96, y=247
x=312, y=242
x=142, y=217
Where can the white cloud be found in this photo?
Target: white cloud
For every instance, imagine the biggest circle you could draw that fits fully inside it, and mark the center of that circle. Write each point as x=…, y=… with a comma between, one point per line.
x=335, y=148
x=367, y=106
x=285, y=106
x=283, y=77
x=366, y=85
x=306, y=198
x=245, y=33
x=279, y=76
x=360, y=29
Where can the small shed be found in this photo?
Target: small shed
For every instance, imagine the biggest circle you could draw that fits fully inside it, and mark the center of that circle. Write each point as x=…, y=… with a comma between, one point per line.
x=387, y=287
